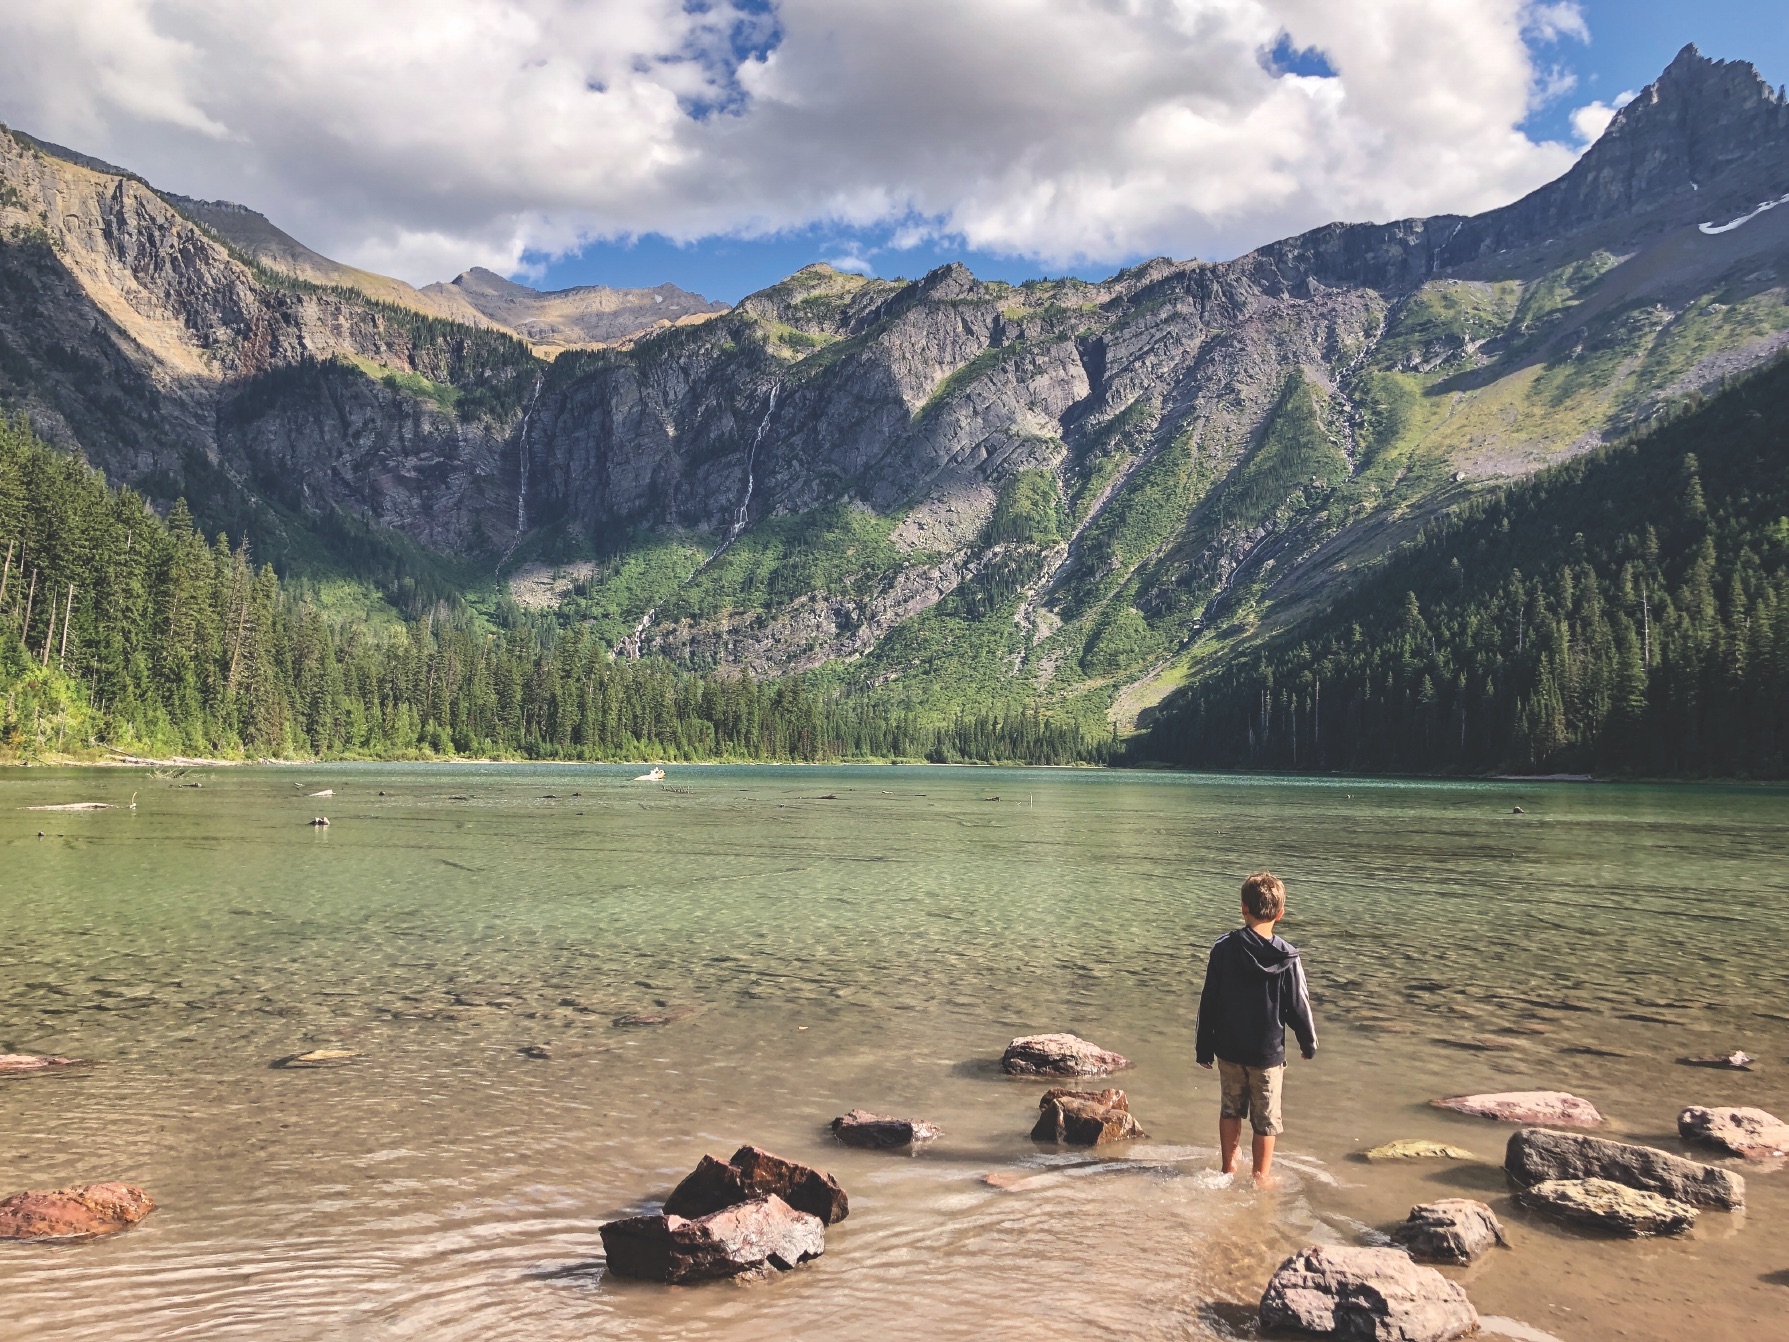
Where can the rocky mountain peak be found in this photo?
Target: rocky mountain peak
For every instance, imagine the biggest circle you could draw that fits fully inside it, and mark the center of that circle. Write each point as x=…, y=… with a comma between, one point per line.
x=1705, y=137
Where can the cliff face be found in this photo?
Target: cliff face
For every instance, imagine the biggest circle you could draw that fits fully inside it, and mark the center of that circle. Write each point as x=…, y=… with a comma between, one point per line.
x=1218, y=443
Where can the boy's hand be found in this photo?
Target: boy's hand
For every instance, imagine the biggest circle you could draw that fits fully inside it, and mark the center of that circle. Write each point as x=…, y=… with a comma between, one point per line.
x=1206, y=1066
x=1308, y=1056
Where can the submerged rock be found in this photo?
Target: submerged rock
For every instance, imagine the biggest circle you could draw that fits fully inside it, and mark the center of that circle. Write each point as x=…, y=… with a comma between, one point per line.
x=1536, y=1155
x=1755, y=1134
x=1414, y=1148
x=1059, y=1055
x=28, y=1064
x=754, y=1172
x=1365, y=1295
x=1726, y=1062
x=1453, y=1230
x=881, y=1133
x=317, y=1057
x=73, y=1213
x=1609, y=1206
x=1526, y=1106
x=667, y=1016
x=757, y=1235
x=1085, y=1117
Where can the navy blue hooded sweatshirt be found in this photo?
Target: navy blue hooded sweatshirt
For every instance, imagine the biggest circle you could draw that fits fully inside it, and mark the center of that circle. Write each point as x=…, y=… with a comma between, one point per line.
x=1254, y=989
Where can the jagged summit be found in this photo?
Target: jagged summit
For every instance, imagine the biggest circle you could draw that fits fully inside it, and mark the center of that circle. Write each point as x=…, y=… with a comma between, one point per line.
x=1703, y=137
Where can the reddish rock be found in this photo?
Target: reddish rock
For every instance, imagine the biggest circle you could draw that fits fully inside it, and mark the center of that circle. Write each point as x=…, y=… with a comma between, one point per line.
x=1365, y=1295
x=753, y=1236
x=879, y=1132
x=1085, y=1118
x=1755, y=1134
x=753, y=1172
x=1059, y=1055
x=73, y=1213
x=1526, y=1106
x=25, y=1064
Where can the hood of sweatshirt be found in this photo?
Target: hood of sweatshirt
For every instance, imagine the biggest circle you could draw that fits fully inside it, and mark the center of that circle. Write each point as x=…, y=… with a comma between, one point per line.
x=1269, y=955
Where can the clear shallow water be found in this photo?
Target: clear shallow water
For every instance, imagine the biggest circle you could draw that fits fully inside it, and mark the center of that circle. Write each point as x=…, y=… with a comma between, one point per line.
x=876, y=949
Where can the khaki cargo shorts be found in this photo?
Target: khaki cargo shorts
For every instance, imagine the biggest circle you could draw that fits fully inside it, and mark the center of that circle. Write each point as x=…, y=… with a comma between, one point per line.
x=1252, y=1093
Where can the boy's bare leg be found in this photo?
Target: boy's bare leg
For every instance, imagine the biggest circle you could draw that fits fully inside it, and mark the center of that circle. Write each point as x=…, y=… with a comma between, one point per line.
x=1262, y=1152
x=1229, y=1135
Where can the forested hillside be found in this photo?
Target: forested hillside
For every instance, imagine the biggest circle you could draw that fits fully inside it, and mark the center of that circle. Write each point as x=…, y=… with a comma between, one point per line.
x=118, y=628
x=1627, y=612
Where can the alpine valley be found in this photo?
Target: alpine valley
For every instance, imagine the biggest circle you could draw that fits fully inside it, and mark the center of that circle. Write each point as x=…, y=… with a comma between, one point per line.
x=930, y=498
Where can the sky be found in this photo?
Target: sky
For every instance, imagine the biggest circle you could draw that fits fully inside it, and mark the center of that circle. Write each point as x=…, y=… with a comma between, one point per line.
x=722, y=144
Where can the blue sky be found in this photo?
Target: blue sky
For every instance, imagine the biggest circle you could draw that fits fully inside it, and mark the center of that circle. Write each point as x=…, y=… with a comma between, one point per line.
x=1630, y=42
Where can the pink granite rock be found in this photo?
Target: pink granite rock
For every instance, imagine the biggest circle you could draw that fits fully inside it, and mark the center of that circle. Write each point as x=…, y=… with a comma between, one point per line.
x=1526, y=1106
x=1755, y=1134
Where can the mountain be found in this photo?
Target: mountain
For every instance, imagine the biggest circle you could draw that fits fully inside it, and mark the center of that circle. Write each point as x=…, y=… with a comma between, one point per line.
x=569, y=318
x=939, y=494
x=1624, y=612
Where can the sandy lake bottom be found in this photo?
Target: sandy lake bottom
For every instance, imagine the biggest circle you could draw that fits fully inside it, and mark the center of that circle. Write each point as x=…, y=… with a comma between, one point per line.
x=822, y=939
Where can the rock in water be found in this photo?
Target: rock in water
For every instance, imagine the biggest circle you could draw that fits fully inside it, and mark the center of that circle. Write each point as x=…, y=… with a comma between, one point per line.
x=1413, y=1148
x=1059, y=1055
x=1609, y=1206
x=880, y=1133
x=1085, y=1117
x=317, y=1057
x=1526, y=1106
x=751, y=1236
x=1727, y=1062
x=27, y=1064
x=73, y=1213
x=1454, y=1230
x=753, y=1172
x=1365, y=1295
x=1535, y=1155
x=1753, y=1133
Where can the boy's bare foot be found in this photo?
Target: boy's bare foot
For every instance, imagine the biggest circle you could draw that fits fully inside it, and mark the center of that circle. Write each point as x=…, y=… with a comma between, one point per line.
x=1267, y=1179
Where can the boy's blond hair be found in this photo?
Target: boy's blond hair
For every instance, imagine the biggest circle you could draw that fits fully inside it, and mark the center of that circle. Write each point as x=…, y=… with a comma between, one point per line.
x=1264, y=896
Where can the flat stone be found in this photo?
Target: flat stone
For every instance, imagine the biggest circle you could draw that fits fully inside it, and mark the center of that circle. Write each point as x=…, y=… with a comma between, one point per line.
x=761, y=1234
x=1535, y=1155
x=1526, y=1106
x=1755, y=1134
x=73, y=1213
x=1414, y=1148
x=317, y=1057
x=1453, y=1230
x=753, y=1172
x=28, y=1064
x=1726, y=1062
x=1609, y=1206
x=1365, y=1295
x=1059, y=1055
x=1085, y=1117
x=878, y=1132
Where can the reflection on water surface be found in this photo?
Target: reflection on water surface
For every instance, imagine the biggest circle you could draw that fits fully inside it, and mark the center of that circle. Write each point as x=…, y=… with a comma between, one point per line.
x=810, y=953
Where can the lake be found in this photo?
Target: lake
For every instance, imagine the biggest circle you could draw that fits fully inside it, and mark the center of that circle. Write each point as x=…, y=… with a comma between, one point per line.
x=823, y=939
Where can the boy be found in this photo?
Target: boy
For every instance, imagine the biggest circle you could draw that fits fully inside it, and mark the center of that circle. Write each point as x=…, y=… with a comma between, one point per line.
x=1254, y=989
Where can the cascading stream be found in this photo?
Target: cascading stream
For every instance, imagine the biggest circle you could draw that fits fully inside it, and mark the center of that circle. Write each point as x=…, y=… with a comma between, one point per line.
x=751, y=465
x=634, y=643
x=522, y=472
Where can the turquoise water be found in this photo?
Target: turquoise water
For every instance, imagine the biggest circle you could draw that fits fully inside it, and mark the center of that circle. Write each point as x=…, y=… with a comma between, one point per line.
x=821, y=939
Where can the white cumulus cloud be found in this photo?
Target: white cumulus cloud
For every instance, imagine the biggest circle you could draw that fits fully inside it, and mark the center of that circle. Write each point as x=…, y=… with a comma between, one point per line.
x=1592, y=119
x=421, y=136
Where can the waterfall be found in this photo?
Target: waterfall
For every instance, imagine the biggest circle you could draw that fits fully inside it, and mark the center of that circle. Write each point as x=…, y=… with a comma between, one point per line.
x=634, y=643
x=751, y=463
x=522, y=472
